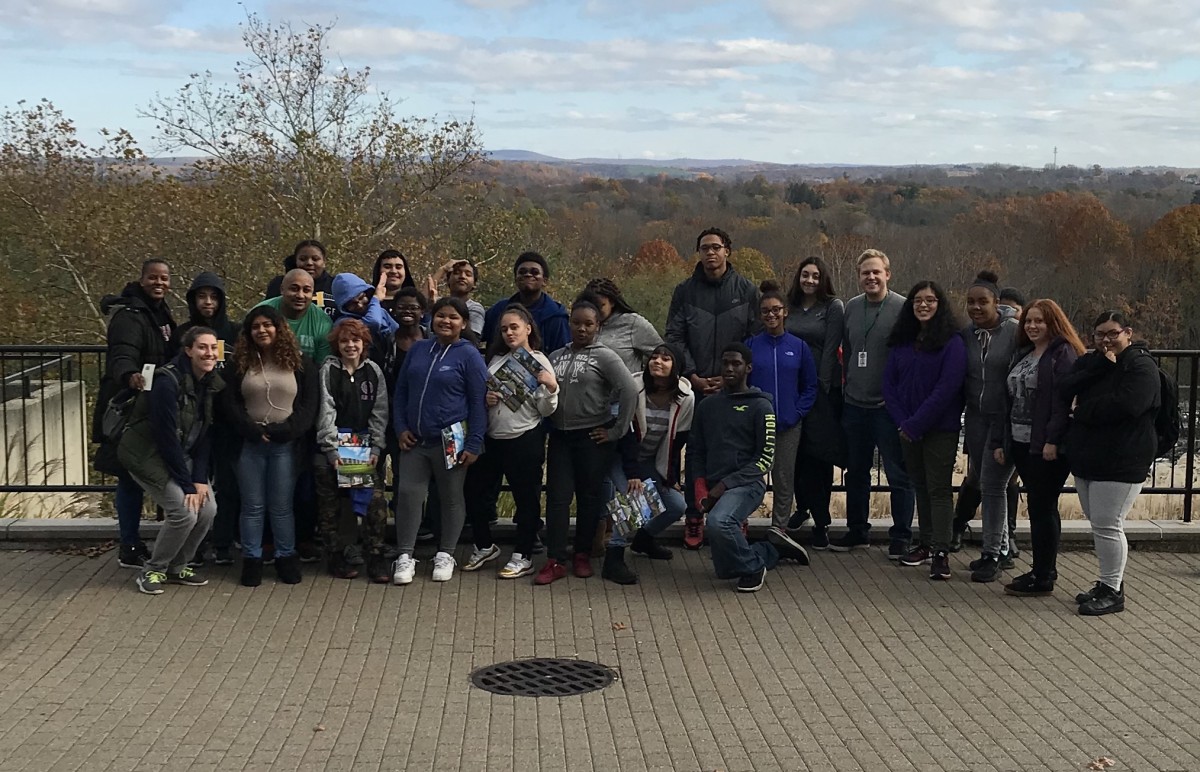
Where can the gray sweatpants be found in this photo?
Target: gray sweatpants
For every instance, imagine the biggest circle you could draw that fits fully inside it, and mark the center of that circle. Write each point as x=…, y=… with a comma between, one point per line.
x=182, y=529
x=993, y=484
x=783, y=475
x=1106, y=504
x=412, y=474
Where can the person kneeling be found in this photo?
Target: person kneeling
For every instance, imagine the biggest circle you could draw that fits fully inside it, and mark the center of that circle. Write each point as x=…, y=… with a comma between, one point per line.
x=166, y=450
x=732, y=446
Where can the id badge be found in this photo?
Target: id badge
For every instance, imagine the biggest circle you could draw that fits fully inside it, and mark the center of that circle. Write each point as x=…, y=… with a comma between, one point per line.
x=862, y=359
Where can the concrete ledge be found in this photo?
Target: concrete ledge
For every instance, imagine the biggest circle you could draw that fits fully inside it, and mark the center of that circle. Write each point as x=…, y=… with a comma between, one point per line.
x=1166, y=535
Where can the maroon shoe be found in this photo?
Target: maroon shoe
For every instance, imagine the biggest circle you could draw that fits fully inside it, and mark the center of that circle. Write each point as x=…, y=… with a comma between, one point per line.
x=552, y=571
x=582, y=565
x=693, y=531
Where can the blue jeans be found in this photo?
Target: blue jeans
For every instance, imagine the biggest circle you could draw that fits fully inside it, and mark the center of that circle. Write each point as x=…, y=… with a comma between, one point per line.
x=128, y=503
x=732, y=555
x=267, y=480
x=674, y=505
x=868, y=428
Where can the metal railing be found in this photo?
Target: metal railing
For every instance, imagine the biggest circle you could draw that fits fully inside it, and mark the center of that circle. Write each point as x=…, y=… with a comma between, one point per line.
x=28, y=372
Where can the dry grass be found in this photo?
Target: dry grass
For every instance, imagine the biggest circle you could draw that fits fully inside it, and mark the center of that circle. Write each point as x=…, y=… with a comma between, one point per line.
x=1147, y=507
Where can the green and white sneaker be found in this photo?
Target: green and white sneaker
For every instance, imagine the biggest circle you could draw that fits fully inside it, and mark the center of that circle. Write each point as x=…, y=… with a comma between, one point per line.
x=187, y=576
x=151, y=582
x=481, y=556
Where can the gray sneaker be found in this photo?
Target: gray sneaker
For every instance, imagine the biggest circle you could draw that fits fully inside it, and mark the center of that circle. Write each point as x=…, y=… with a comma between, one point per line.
x=353, y=555
x=789, y=548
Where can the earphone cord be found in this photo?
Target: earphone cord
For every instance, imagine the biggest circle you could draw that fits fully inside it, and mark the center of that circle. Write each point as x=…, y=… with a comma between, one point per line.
x=262, y=369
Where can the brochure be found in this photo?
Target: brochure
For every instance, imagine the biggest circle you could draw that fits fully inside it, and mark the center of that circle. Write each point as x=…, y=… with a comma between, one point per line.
x=454, y=442
x=354, y=451
x=514, y=378
x=630, y=511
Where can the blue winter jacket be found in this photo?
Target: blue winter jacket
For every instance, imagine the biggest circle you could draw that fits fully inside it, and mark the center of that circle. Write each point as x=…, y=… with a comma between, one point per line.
x=439, y=386
x=784, y=368
x=379, y=322
x=923, y=390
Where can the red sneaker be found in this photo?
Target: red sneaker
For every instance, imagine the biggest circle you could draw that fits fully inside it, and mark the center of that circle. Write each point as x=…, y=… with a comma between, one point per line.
x=693, y=531
x=583, y=565
x=746, y=529
x=551, y=571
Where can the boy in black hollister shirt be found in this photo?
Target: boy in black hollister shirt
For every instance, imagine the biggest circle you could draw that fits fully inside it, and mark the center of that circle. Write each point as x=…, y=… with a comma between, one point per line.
x=732, y=446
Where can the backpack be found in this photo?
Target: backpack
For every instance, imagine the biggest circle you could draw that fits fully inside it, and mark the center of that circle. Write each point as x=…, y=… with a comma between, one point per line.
x=1167, y=418
x=120, y=408
x=117, y=413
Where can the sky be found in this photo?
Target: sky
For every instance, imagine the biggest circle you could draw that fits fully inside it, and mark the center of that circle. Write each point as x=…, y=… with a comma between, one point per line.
x=1109, y=82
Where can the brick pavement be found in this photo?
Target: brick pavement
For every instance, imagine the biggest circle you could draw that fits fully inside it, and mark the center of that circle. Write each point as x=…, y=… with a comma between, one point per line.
x=852, y=664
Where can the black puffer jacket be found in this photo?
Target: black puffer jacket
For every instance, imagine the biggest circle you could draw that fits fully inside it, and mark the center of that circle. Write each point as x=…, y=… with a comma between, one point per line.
x=1112, y=433
x=140, y=331
x=705, y=316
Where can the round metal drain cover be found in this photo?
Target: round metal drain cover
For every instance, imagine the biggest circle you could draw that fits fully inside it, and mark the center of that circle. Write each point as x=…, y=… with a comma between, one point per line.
x=543, y=677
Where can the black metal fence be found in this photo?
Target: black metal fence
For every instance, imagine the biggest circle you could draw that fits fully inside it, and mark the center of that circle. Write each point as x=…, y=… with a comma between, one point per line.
x=48, y=395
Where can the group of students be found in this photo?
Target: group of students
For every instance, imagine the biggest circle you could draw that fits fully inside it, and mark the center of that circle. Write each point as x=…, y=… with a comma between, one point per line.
x=749, y=381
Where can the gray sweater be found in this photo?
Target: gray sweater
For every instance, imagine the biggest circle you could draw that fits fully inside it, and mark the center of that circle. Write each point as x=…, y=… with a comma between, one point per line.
x=867, y=328
x=631, y=337
x=821, y=327
x=590, y=380
x=986, y=388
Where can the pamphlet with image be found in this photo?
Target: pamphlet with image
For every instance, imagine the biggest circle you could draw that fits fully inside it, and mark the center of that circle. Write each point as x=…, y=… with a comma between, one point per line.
x=454, y=442
x=630, y=511
x=514, y=378
x=354, y=452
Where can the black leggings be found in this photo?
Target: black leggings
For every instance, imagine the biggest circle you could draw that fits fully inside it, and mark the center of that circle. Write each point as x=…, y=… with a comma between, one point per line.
x=521, y=460
x=1043, y=483
x=576, y=467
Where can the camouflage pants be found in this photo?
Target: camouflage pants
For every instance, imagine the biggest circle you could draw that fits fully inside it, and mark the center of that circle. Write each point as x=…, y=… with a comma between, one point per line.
x=335, y=516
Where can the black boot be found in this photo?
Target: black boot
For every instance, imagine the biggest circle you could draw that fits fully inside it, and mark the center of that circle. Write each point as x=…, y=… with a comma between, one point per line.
x=615, y=569
x=645, y=544
x=288, y=569
x=251, y=572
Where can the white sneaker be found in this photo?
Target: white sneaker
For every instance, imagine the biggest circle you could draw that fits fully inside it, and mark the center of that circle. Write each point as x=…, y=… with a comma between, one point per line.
x=481, y=556
x=443, y=567
x=404, y=568
x=516, y=567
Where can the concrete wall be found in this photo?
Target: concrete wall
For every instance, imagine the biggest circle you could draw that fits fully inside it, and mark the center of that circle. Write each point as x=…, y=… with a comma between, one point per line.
x=45, y=443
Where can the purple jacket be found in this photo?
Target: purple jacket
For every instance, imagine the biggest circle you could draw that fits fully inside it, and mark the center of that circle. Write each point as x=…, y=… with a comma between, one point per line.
x=1051, y=412
x=923, y=390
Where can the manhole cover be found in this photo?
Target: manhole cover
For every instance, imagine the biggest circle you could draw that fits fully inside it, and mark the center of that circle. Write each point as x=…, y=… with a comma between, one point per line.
x=543, y=677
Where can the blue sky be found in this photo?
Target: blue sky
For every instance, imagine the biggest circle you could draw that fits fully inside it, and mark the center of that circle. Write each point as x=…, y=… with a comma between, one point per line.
x=1113, y=82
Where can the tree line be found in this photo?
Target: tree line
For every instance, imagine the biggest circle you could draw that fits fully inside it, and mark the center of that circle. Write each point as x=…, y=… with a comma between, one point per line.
x=299, y=147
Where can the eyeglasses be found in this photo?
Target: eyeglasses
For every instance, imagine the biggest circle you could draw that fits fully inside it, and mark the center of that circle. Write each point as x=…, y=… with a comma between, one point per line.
x=1110, y=335
x=773, y=311
x=711, y=247
x=529, y=272
x=924, y=302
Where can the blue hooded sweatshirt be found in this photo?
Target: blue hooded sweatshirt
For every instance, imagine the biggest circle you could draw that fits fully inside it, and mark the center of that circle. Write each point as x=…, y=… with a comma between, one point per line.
x=439, y=386
x=345, y=287
x=785, y=369
x=550, y=316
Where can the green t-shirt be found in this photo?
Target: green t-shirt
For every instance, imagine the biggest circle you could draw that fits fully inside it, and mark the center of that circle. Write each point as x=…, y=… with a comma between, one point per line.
x=310, y=330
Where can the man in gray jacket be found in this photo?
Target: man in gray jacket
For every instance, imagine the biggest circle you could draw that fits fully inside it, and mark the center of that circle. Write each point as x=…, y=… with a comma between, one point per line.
x=716, y=306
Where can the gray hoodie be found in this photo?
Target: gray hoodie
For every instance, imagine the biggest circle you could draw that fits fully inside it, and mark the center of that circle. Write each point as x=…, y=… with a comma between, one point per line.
x=986, y=389
x=339, y=392
x=589, y=381
x=631, y=337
